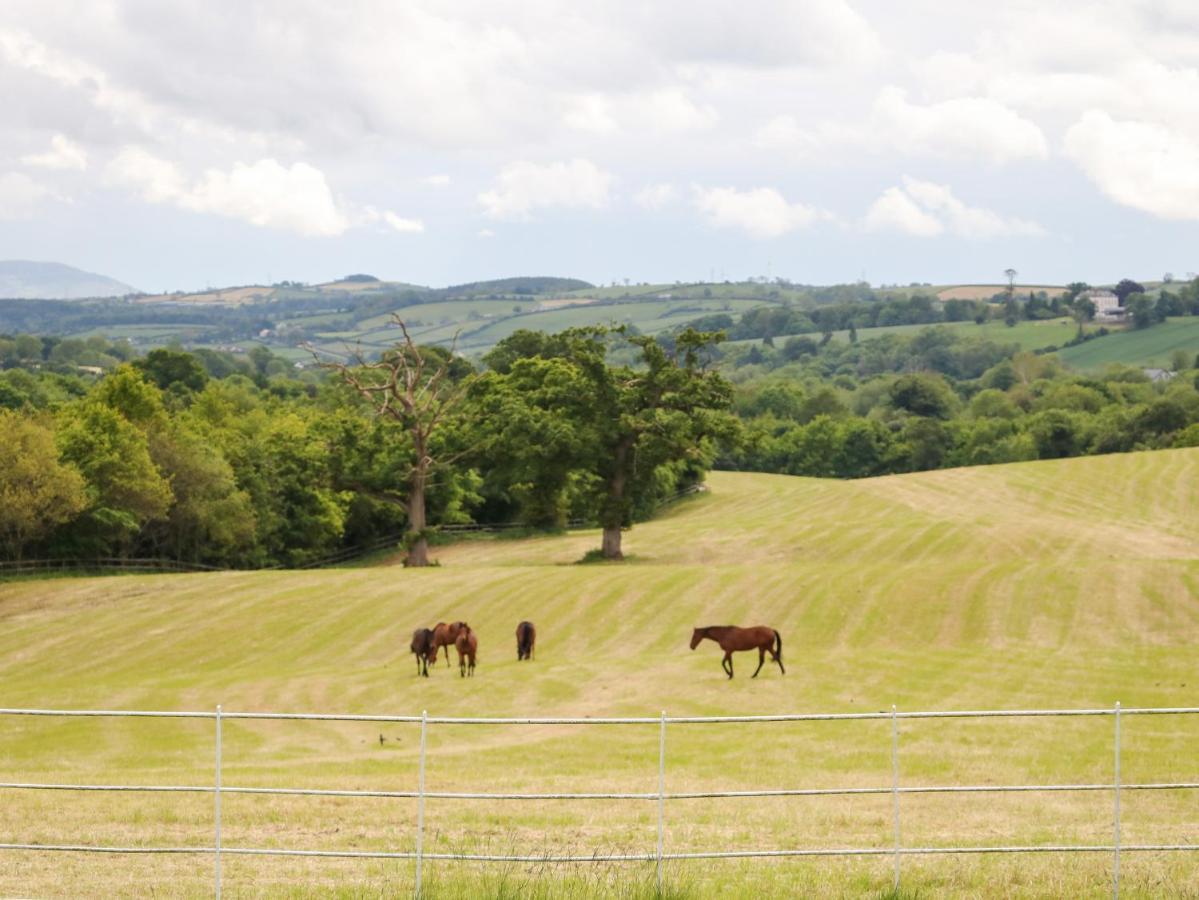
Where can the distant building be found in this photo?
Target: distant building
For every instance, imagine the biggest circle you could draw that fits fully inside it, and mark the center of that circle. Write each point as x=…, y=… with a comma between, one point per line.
x=1107, y=306
x=1158, y=374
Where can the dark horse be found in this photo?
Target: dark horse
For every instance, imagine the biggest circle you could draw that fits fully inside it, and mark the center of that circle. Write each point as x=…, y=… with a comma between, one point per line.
x=732, y=638
x=467, y=646
x=424, y=649
x=526, y=636
x=444, y=636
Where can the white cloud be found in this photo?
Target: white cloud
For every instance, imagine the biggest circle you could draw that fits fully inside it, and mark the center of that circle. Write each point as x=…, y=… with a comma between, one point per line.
x=524, y=186
x=485, y=233
x=894, y=210
x=63, y=154
x=965, y=127
x=927, y=209
x=760, y=212
x=655, y=196
x=402, y=225
x=1143, y=165
x=268, y=194
x=765, y=33
x=438, y=180
x=21, y=197
x=591, y=113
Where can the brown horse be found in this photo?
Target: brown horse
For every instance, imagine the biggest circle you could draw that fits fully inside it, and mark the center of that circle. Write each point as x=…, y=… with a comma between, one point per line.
x=444, y=636
x=731, y=639
x=423, y=649
x=526, y=636
x=467, y=646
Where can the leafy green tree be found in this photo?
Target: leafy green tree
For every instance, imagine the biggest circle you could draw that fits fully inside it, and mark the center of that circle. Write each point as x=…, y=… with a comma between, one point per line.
x=211, y=519
x=923, y=394
x=166, y=368
x=1055, y=434
x=37, y=491
x=1074, y=288
x=630, y=422
x=1082, y=310
x=1142, y=310
x=1126, y=288
x=124, y=489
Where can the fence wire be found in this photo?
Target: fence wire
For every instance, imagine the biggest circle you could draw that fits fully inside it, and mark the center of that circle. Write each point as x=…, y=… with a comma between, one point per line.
x=660, y=855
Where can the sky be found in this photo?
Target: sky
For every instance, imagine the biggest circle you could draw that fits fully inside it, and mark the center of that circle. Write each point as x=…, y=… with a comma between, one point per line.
x=208, y=143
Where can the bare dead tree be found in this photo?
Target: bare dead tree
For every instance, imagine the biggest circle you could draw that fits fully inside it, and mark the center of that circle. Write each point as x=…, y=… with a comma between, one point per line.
x=408, y=387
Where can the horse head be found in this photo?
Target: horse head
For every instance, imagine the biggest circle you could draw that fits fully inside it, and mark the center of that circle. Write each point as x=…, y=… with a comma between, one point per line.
x=696, y=636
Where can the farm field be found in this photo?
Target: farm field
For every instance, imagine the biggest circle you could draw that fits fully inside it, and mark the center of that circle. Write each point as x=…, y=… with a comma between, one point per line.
x=987, y=291
x=1029, y=335
x=1058, y=584
x=1145, y=347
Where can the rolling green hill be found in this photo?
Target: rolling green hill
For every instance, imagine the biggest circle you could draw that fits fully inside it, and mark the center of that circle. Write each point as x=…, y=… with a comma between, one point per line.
x=1070, y=583
x=1137, y=347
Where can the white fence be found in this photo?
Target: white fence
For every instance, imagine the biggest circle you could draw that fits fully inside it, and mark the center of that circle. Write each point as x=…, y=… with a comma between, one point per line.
x=659, y=855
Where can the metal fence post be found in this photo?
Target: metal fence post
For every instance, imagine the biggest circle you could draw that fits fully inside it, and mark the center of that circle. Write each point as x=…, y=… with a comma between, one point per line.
x=895, y=786
x=420, y=803
x=661, y=793
x=1116, y=843
x=217, y=804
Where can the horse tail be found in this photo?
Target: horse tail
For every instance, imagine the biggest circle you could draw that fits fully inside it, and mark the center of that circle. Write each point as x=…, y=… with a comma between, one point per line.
x=778, y=644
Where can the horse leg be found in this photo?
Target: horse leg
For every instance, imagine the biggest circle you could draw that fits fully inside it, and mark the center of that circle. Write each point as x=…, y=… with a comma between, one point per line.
x=761, y=659
x=727, y=664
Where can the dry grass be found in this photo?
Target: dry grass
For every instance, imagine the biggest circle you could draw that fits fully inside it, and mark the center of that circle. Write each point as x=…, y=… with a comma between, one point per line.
x=1072, y=583
x=987, y=291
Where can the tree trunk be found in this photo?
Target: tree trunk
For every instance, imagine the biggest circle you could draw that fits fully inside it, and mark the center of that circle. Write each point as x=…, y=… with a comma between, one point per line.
x=613, y=516
x=418, y=550
x=612, y=542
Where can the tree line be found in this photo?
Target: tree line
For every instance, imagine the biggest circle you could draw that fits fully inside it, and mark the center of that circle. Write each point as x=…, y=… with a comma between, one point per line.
x=162, y=457
x=828, y=419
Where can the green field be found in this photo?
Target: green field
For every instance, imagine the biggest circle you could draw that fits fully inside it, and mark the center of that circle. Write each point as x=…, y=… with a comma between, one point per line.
x=1070, y=583
x=1028, y=335
x=1137, y=347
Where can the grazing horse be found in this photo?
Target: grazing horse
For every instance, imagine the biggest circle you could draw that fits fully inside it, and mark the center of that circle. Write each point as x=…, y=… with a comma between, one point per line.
x=444, y=636
x=467, y=646
x=526, y=636
x=423, y=649
x=731, y=639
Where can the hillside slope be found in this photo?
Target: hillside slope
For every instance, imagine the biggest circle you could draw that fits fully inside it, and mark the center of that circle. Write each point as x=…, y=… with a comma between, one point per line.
x=54, y=281
x=1098, y=550
x=1072, y=583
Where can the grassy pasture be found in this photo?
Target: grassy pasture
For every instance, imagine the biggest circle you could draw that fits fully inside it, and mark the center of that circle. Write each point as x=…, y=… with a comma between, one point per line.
x=1030, y=335
x=1071, y=583
x=1137, y=347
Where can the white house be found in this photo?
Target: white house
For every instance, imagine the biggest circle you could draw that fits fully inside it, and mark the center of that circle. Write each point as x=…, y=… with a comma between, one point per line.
x=1107, y=306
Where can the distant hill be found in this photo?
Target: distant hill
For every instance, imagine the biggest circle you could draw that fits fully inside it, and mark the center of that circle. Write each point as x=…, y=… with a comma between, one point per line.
x=24, y=279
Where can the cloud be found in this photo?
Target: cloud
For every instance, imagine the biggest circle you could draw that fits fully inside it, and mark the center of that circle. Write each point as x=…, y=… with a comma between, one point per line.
x=767, y=33
x=895, y=210
x=439, y=180
x=963, y=127
x=927, y=209
x=655, y=196
x=268, y=194
x=21, y=197
x=591, y=113
x=63, y=154
x=1138, y=164
x=485, y=233
x=368, y=215
x=759, y=212
x=524, y=186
